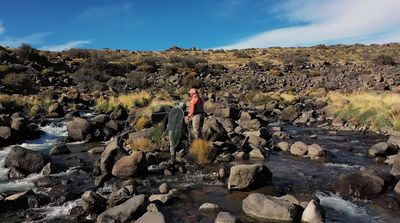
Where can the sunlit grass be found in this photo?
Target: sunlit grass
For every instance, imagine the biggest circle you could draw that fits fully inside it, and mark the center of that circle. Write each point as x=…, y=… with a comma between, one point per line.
x=259, y=98
x=201, y=149
x=368, y=108
x=131, y=100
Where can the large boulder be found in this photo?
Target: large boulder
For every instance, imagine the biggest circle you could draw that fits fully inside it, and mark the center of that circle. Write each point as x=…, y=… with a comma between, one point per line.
x=270, y=208
x=289, y=113
x=315, y=151
x=151, y=217
x=364, y=186
x=26, y=160
x=299, y=149
x=227, y=112
x=397, y=191
x=214, y=130
x=5, y=136
x=59, y=149
x=123, y=212
x=379, y=149
x=394, y=161
x=394, y=142
x=248, y=176
x=79, y=129
x=110, y=155
x=130, y=166
x=93, y=203
x=313, y=213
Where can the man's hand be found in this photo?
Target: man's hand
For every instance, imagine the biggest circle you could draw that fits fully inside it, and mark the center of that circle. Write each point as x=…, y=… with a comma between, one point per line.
x=187, y=120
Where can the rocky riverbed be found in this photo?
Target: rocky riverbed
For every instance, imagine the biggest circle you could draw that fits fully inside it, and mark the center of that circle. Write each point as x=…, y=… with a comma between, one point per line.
x=60, y=197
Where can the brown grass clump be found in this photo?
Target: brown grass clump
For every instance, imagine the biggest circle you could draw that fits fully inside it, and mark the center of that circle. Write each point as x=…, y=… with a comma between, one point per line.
x=142, y=123
x=141, y=143
x=201, y=149
x=131, y=100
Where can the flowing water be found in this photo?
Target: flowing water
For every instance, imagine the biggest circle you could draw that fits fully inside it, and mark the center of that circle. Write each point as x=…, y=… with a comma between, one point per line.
x=295, y=175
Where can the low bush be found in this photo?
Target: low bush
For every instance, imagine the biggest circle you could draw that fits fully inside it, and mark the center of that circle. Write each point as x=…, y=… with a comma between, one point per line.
x=141, y=144
x=384, y=59
x=19, y=83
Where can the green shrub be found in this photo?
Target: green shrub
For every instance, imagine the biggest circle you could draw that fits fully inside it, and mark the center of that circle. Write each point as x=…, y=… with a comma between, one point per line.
x=19, y=83
x=385, y=59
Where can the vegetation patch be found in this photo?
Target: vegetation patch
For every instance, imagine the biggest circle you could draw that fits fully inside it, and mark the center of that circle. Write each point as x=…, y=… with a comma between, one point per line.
x=201, y=150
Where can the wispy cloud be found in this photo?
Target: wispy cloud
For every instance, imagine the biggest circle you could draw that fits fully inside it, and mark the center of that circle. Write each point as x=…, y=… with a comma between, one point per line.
x=66, y=46
x=2, y=29
x=94, y=13
x=331, y=21
x=11, y=41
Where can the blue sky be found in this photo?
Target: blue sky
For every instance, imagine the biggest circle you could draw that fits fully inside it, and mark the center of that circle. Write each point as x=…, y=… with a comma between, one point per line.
x=156, y=25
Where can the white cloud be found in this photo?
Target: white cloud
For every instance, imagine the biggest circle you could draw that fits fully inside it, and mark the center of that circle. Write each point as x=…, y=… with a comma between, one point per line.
x=2, y=29
x=331, y=21
x=11, y=41
x=66, y=46
x=95, y=13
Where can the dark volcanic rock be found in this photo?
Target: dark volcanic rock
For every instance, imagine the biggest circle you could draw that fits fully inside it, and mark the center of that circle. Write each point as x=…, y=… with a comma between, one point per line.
x=248, y=176
x=26, y=160
x=79, y=129
x=359, y=186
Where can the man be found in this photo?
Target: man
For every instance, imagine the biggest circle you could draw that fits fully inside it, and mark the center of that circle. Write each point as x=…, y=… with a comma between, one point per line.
x=196, y=113
x=176, y=128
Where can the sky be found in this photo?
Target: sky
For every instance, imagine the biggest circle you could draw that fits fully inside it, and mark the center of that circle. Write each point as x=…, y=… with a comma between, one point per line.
x=57, y=25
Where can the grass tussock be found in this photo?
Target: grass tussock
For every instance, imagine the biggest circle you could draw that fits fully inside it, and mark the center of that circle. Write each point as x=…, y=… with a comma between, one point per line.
x=142, y=123
x=131, y=100
x=141, y=144
x=201, y=150
x=371, y=109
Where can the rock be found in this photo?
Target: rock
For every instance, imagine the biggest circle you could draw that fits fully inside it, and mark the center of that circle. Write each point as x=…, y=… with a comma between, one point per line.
x=257, y=154
x=313, y=213
x=153, y=207
x=270, y=208
x=337, y=122
x=59, y=149
x=289, y=113
x=93, y=203
x=320, y=103
x=101, y=119
x=256, y=141
x=163, y=188
x=151, y=217
x=388, y=202
x=79, y=129
x=240, y=155
x=247, y=116
x=304, y=118
x=56, y=108
x=164, y=198
x=5, y=136
x=19, y=200
x=394, y=161
x=397, y=191
x=227, y=112
x=284, y=146
x=51, y=168
x=129, y=166
x=71, y=115
x=111, y=154
x=225, y=217
x=100, y=180
x=123, y=212
x=209, y=207
x=379, y=149
x=19, y=124
x=315, y=151
x=394, y=142
x=96, y=150
x=359, y=186
x=124, y=193
x=15, y=173
x=119, y=114
x=298, y=149
x=248, y=176
x=26, y=160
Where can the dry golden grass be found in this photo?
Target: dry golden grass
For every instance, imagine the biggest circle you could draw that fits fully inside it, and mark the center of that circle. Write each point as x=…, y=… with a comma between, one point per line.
x=155, y=105
x=201, y=149
x=142, y=122
x=131, y=100
x=368, y=108
x=141, y=143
